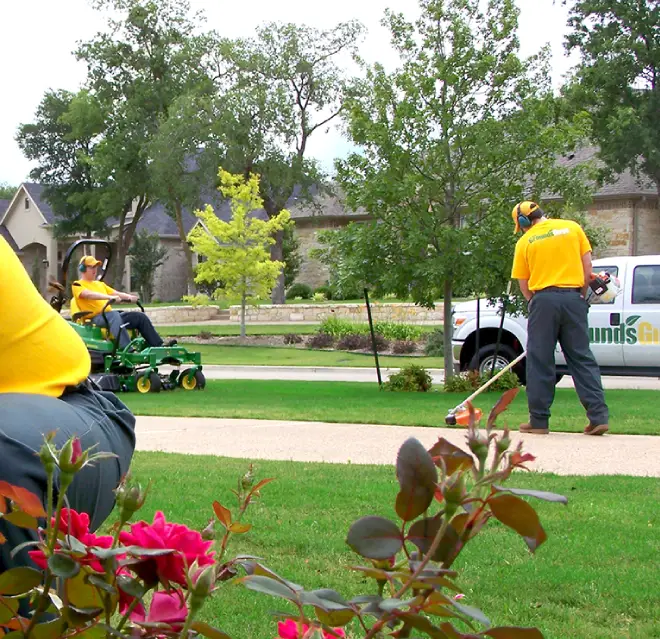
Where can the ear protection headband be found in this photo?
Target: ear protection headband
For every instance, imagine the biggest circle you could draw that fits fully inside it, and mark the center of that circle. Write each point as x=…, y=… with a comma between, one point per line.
x=524, y=222
x=82, y=268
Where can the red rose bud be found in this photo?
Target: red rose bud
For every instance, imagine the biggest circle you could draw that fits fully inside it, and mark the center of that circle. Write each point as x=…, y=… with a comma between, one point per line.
x=453, y=489
x=247, y=480
x=72, y=458
x=209, y=532
x=478, y=445
x=202, y=587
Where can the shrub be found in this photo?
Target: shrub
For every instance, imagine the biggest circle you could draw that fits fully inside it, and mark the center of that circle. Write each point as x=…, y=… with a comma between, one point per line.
x=201, y=299
x=325, y=290
x=319, y=297
x=398, y=331
x=402, y=346
x=354, y=342
x=338, y=327
x=409, y=379
x=205, y=335
x=321, y=340
x=301, y=290
x=346, y=293
x=292, y=338
x=469, y=381
x=435, y=343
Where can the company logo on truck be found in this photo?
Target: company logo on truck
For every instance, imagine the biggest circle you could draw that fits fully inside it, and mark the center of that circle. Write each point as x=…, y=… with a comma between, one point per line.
x=629, y=332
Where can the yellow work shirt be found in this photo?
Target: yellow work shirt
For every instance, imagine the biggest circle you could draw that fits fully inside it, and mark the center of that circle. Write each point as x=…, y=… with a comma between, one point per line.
x=550, y=254
x=93, y=306
x=41, y=353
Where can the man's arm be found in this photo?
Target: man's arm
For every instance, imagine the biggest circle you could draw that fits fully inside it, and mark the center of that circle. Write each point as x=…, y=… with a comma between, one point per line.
x=126, y=297
x=524, y=289
x=93, y=295
x=587, y=267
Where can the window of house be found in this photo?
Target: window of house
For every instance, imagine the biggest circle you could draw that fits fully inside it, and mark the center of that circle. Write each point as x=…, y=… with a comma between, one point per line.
x=646, y=285
x=27, y=202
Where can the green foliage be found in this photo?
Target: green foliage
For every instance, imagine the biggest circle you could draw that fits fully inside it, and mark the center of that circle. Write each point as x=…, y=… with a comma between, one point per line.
x=7, y=191
x=398, y=331
x=469, y=381
x=338, y=327
x=236, y=251
x=326, y=291
x=301, y=290
x=200, y=299
x=147, y=255
x=435, y=343
x=319, y=297
x=616, y=82
x=291, y=255
x=447, y=143
x=410, y=379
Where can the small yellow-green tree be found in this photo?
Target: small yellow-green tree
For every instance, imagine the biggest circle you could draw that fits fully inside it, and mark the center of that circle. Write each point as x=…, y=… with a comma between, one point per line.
x=237, y=252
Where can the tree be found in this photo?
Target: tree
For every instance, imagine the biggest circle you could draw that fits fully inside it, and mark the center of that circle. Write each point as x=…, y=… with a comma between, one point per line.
x=236, y=252
x=618, y=81
x=274, y=93
x=7, y=191
x=147, y=255
x=291, y=254
x=448, y=142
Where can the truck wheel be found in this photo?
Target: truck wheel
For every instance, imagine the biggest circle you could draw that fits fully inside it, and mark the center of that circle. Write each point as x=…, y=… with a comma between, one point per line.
x=505, y=355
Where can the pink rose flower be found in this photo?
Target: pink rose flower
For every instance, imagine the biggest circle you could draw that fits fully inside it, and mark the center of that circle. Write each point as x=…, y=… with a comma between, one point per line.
x=289, y=629
x=76, y=525
x=187, y=544
x=166, y=607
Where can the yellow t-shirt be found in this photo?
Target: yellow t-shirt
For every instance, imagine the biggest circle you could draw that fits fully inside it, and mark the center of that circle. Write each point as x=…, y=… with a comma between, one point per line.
x=550, y=254
x=94, y=306
x=41, y=353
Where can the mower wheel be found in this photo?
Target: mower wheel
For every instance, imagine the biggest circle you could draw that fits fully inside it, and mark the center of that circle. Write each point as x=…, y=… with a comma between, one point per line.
x=149, y=384
x=198, y=381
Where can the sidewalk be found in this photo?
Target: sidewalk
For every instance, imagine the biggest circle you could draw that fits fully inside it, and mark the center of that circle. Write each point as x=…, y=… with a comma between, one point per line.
x=561, y=453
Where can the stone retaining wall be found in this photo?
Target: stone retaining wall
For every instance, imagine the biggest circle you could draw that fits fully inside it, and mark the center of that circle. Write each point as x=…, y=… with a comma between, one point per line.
x=181, y=314
x=312, y=313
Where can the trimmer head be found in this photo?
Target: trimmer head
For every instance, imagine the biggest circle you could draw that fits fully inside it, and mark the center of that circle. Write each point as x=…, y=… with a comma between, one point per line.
x=461, y=415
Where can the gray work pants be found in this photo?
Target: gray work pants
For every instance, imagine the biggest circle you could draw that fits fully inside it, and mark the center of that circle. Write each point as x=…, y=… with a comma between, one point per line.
x=114, y=320
x=560, y=315
x=98, y=418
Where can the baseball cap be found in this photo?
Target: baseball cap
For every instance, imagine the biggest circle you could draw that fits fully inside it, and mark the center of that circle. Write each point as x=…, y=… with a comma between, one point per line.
x=524, y=208
x=89, y=260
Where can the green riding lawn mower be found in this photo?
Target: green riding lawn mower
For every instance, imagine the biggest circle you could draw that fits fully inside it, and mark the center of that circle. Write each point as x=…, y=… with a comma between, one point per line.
x=135, y=367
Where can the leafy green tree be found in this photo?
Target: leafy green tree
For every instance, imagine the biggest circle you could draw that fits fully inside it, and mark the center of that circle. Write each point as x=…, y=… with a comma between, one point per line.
x=448, y=142
x=7, y=191
x=147, y=255
x=618, y=80
x=236, y=252
x=274, y=92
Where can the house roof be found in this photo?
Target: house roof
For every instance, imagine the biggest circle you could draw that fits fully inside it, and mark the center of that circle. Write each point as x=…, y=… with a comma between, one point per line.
x=36, y=192
x=625, y=184
x=4, y=205
x=4, y=232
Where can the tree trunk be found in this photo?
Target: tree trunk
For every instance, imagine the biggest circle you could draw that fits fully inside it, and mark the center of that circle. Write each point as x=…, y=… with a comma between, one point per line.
x=243, y=305
x=124, y=240
x=277, y=254
x=178, y=216
x=448, y=321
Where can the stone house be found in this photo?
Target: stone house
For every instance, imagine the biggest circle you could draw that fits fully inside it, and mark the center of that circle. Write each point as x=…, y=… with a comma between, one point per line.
x=628, y=208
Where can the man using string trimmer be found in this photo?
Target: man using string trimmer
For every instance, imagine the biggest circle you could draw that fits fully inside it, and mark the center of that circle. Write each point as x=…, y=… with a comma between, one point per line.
x=552, y=264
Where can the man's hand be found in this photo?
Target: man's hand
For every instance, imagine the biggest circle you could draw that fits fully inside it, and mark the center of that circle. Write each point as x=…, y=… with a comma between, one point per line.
x=115, y=299
x=132, y=298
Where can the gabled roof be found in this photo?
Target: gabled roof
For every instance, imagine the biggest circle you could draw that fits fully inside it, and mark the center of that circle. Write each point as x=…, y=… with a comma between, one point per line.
x=36, y=192
x=4, y=205
x=624, y=185
x=4, y=232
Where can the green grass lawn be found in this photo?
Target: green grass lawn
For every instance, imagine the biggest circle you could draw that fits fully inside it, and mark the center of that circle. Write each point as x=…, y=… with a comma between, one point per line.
x=223, y=330
x=632, y=411
x=596, y=577
x=289, y=356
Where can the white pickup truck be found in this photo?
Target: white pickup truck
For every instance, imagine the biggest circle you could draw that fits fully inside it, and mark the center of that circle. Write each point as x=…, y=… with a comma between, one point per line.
x=625, y=333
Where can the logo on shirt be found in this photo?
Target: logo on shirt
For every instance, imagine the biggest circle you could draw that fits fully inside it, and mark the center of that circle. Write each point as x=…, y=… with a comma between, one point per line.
x=545, y=236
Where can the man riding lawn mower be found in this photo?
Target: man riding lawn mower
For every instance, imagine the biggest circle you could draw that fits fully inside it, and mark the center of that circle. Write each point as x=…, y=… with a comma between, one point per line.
x=125, y=348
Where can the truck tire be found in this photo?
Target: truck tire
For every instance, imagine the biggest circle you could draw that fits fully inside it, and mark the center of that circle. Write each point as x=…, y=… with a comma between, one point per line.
x=483, y=360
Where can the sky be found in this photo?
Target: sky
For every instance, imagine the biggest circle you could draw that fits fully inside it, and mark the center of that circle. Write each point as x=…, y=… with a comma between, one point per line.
x=38, y=38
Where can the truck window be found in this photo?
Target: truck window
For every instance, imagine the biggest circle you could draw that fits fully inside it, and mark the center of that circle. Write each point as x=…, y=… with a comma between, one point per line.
x=646, y=285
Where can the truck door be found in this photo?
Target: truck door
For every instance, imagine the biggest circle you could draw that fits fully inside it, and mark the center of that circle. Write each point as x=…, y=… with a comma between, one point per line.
x=605, y=331
x=642, y=315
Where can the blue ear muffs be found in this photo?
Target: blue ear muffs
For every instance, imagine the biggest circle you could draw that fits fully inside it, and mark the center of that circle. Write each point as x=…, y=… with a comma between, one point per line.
x=82, y=268
x=523, y=221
